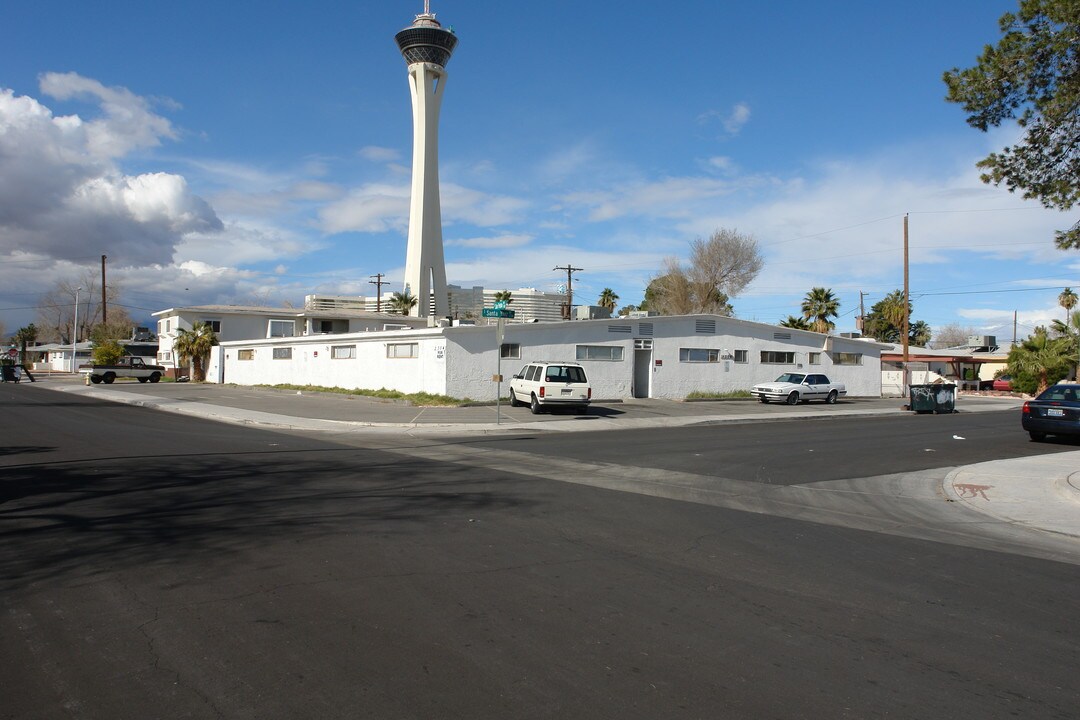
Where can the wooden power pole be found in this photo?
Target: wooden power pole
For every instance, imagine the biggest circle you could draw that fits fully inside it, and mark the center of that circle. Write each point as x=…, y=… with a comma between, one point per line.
x=569, y=288
x=104, y=316
x=378, y=283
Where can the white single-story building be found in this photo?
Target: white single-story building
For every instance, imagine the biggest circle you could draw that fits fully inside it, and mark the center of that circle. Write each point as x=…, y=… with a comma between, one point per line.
x=658, y=357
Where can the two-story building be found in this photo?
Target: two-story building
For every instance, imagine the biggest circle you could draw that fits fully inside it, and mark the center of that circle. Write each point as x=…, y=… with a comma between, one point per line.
x=245, y=322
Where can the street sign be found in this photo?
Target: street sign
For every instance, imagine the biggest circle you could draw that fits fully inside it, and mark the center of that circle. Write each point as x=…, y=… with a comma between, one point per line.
x=497, y=313
x=499, y=305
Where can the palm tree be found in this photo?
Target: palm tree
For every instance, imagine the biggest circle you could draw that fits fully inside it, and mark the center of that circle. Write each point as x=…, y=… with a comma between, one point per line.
x=919, y=333
x=23, y=336
x=505, y=296
x=607, y=299
x=796, y=322
x=403, y=302
x=818, y=306
x=1069, y=331
x=1067, y=299
x=194, y=346
x=1041, y=357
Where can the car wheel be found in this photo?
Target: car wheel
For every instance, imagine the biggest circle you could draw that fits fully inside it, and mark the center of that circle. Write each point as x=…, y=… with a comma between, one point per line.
x=142, y=380
x=154, y=377
x=763, y=399
x=832, y=398
x=534, y=406
x=1037, y=436
x=108, y=378
x=793, y=398
x=513, y=399
x=95, y=379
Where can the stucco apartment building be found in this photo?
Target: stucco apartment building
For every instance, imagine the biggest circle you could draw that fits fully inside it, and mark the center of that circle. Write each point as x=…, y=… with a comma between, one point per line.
x=659, y=357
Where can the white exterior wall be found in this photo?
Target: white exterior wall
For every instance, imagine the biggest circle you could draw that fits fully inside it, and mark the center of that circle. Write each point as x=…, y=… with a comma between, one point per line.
x=313, y=363
x=472, y=356
x=460, y=361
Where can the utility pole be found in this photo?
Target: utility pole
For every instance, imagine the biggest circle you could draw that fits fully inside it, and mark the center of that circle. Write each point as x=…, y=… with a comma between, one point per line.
x=907, y=296
x=378, y=283
x=862, y=314
x=104, y=317
x=569, y=287
x=1014, y=329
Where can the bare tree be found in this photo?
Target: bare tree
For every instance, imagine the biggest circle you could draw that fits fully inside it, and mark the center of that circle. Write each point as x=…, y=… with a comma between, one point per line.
x=720, y=268
x=952, y=335
x=56, y=308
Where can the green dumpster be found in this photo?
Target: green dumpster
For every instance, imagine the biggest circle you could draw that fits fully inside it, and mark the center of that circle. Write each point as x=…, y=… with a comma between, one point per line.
x=922, y=398
x=944, y=398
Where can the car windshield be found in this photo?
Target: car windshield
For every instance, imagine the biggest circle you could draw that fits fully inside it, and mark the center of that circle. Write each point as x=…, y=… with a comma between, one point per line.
x=564, y=373
x=795, y=378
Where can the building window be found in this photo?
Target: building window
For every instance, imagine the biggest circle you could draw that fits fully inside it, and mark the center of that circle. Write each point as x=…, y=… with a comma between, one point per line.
x=742, y=356
x=599, y=352
x=215, y=325
x=510, y=350
x=245, y=354
x=775, y=357
x=699, y=355
x=402, y=350
x=642, y=344
x=343, y=352
x=283, y=353
x=282, y=328
x=164, y=357
x=814, y=358
x=842, y=358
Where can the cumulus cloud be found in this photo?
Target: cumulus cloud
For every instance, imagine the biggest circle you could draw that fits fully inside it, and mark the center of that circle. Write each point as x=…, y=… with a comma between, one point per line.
x=62, y=193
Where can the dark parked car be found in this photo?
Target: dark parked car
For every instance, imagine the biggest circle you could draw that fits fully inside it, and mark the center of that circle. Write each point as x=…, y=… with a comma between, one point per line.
x=1055, y=412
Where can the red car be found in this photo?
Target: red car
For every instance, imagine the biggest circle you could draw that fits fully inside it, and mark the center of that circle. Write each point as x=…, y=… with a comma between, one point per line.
x=1003, y=383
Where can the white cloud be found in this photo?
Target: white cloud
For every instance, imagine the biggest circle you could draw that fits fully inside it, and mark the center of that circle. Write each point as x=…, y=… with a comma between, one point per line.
x=375, y=207
x=732, y=120
x=499, y=241
x=128, y=122
x=61, y=193
x=378, y=154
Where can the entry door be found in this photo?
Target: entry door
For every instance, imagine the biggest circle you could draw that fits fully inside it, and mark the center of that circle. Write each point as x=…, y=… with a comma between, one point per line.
x=643, y=368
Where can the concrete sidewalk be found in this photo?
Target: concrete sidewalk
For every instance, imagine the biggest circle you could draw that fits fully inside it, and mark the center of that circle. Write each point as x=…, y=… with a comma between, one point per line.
x=1040, y=493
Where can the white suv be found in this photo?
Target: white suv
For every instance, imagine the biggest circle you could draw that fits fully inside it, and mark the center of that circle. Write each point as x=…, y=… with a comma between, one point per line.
x=540, y=384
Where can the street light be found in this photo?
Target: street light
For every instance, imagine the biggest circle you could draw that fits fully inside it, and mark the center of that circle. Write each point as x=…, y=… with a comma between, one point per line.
x=75, y=332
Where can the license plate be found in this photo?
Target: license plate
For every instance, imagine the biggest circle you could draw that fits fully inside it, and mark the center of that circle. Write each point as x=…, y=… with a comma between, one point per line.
x=567, y=391
x=1055, y=412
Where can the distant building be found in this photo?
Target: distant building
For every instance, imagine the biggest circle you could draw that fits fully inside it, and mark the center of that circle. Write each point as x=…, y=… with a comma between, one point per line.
x=528, y=304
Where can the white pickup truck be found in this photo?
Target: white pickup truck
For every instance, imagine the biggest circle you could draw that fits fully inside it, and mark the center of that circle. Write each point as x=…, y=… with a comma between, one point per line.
x=794, y=388
x=130, y=366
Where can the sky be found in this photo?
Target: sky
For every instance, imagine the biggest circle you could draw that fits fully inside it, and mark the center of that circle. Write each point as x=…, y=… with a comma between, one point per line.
x=230, y=153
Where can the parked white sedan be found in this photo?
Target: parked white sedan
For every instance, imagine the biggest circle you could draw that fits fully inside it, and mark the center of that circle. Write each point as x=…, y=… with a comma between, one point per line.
x=794, y=388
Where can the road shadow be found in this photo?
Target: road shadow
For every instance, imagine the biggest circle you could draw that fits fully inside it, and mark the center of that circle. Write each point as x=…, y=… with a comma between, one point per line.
x=74, y=520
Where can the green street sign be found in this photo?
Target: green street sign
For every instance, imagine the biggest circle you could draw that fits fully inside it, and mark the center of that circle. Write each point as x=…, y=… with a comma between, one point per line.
x=497, y=313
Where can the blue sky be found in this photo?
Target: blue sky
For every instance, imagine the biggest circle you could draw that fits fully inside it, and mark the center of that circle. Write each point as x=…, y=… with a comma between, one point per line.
x=230, y=152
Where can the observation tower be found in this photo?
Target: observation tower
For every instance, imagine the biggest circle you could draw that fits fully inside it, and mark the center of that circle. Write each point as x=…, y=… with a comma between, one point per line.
x=426, y=47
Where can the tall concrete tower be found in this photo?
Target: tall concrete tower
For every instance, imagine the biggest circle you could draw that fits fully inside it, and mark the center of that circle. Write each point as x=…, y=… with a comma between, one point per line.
x=426, y=47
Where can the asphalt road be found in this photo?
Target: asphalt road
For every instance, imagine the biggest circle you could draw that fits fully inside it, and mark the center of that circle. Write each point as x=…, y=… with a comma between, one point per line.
x=158, y=566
